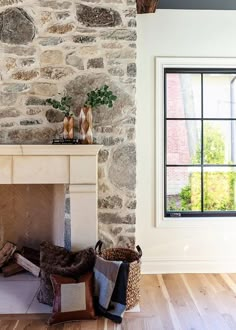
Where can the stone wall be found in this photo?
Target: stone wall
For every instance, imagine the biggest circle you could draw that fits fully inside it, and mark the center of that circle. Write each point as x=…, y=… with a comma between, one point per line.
x=49, y=47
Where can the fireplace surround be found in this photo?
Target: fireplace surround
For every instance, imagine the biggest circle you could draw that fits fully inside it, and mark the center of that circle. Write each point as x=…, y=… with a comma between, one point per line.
x=72, y=165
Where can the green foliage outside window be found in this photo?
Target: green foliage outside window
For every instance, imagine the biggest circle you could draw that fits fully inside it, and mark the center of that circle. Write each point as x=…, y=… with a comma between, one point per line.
x=219, y=186
x=214, y=147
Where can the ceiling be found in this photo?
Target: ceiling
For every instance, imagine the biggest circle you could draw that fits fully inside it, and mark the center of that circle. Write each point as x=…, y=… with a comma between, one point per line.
x=198, y=4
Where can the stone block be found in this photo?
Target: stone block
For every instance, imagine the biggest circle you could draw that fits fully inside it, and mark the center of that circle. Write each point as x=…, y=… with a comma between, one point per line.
x=55, y=73
x=7, y=99
x=97, y=16
x=10, y=63
x=120, y=34
x=124, y=53
x=51, y=57
x=113, y=235
x=87, y=51
x=96, y=63
x=112, y=45
x=51, y=41
x=16, y=88
x=82, y=39
x=67, y=205
x=131, y=205
x=114, y=1
x=81, y=85
x=54, y=116
x=74, y=60
x=131, y=2
x=132, y=23
x=116, y=218
x=61, y=28
x=8, y=124
x=4, y=3
x=26, y=62
x=109, y=141
x=131, y=12
x=116, y=71
x=44, y=89
x=33, y=111
x=103, y=155
x=25, y=75
x=16, y=27
x=33, y=135
x=131, y=69
x=20, y=50
x=27, y=122
x=110, y=202
x=35, y=101
x=63, y=15
x=9, y=112
x=55, y=4
x=122, y=171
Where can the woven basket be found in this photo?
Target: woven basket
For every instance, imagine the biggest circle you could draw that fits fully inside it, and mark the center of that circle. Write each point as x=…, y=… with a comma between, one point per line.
x=133, y=258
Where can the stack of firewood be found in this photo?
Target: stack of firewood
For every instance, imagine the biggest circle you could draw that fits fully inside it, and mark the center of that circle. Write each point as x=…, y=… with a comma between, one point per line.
x=13, y=261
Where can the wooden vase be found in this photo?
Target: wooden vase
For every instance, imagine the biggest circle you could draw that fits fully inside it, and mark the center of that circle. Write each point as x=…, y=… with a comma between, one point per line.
x=86, y=125
x=68, y=127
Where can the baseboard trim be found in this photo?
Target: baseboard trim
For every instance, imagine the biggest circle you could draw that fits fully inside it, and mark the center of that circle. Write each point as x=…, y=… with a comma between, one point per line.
x=154, y=265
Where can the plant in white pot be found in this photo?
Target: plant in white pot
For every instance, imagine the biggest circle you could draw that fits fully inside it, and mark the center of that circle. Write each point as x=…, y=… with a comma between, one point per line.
x=95, y=98
x=64, y=105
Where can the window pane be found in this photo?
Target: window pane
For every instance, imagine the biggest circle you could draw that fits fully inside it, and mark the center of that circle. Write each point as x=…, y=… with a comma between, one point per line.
x=183, y=95
x=183, y=142
x=219, y=189
x=219, y=95
x=219, y=142
x=183, y=189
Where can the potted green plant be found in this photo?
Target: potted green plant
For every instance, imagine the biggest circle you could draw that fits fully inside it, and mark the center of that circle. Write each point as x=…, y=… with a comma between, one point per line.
x=95, y=98
x=64, y=105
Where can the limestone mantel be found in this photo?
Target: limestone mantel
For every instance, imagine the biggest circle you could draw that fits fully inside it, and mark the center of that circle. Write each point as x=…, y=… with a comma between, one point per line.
x=75, y=165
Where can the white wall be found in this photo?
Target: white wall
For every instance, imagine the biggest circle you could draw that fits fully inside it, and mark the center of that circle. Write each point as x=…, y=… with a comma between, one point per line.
x=177, y=246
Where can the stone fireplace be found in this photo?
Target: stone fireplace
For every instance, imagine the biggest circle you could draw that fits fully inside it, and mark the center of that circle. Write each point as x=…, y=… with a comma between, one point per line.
x=34, y=180
x=72, y=47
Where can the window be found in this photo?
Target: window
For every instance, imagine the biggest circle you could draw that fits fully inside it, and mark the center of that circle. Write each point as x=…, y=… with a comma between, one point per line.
x=199, y=142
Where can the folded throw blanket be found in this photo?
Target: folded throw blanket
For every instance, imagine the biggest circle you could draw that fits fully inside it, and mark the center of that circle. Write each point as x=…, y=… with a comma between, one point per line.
x=111, y=278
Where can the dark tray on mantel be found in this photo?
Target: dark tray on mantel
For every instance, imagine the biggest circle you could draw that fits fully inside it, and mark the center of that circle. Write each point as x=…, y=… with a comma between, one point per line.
x=65, y=141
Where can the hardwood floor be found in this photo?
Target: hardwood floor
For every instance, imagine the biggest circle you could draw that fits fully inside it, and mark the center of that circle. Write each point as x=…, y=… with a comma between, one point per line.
x=174, y=301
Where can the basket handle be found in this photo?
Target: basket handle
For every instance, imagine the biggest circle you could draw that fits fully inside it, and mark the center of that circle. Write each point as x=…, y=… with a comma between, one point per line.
x=140, y=252
x=98, y=246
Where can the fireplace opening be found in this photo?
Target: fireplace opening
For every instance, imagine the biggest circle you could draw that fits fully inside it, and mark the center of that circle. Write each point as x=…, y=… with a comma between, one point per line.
x=47, y=192
x=32, y=213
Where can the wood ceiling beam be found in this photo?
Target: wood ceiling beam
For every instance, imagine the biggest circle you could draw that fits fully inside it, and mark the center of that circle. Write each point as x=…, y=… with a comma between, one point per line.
x=146, y=6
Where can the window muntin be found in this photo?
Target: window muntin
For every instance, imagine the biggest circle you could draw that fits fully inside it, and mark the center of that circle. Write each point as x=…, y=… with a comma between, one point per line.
x=200, y=146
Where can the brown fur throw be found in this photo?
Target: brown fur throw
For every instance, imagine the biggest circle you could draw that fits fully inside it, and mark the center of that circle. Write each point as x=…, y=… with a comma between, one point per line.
x=57, y=260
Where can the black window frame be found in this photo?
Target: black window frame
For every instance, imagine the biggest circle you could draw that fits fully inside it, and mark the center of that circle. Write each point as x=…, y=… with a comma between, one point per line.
x=202, y=213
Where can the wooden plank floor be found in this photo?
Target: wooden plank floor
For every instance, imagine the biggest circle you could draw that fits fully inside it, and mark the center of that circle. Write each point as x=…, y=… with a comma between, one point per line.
x=174, y=301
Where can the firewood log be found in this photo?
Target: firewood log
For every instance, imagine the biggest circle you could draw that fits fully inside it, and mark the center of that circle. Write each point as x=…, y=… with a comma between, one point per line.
x=26, y=264
x=11, y=268
x=6, y=252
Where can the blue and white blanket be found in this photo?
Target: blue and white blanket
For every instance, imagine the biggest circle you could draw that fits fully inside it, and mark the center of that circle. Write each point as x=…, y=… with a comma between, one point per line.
x=111, y=279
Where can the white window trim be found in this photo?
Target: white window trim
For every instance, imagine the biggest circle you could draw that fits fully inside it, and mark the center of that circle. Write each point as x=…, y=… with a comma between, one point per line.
x=161, y=64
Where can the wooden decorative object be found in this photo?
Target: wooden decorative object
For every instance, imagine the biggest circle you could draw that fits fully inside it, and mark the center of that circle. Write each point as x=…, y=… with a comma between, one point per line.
x=146, y=6
x=27, y=264
x=86, y=125
x=6, y=252
x=68, y=127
